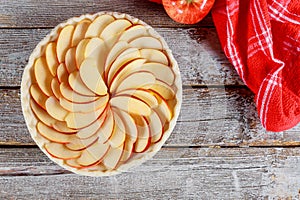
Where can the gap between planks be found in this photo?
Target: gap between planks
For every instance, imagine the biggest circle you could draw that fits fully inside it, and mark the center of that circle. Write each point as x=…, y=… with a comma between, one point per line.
x=223, y=117
x=9, y=145
x=197, y=51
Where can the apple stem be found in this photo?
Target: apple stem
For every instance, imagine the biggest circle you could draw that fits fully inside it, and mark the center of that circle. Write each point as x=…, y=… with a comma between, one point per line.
x=189, y=1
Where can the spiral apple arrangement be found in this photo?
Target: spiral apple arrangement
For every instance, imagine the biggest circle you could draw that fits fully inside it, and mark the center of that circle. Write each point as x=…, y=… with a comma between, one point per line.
x=102, y=90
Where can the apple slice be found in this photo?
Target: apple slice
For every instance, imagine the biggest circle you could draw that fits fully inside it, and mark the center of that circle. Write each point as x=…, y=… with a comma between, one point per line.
x=96, y=167
x=55, y=88
x=146, y=43
x=86, y=107
x=54, y=109
x=133, y=32
x=93, y=154
x=78, y=86
x=113, y=156
x=80, y=49
x=155, y=126
x=80, y=144
x=144, y=95
x=62, y=127
x=43, y=76
x=112, y=31
x=81, y=120
x=131, y=105
x=125, y=71
x=64, y=42
x=72, y=96
x=41, y=114
x=93, y=167
x=135, y=80
x=62, y=73
x=163, y=110
x=97, y=26
x=53, y=135
x=116, y=50
x=51, y=58
x=127, y=151
x=162, y=89
x=70, y=61
x=129, y=123
x=107, y=127
x=44, y=117
x=80, y=31
x=143, y=140
x=73, y=163
x=118, y=135
x=160, y=71
x=91, y=77
x=96, y=49
x=124, y=58
x=38, y=96
x=154, y=55
x=60, y=151
x=91, y=129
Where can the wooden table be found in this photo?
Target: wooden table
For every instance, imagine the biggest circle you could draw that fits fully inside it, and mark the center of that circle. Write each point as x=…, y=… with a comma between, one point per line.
x=218, y=149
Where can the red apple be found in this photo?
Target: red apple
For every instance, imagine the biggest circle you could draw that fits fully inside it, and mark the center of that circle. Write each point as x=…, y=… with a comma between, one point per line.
x=187, y=11
x=156, y=1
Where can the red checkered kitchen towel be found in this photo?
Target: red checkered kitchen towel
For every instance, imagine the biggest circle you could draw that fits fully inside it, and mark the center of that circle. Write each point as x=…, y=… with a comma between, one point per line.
x=261, y=38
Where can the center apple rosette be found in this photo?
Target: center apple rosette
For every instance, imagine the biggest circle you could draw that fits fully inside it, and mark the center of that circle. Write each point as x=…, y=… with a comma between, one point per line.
x=101, y=93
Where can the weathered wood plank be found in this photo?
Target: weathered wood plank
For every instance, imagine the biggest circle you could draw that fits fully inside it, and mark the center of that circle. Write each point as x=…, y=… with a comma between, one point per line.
x=197, y=51
x=174, y=173
x=209, y=116
x=48, y=13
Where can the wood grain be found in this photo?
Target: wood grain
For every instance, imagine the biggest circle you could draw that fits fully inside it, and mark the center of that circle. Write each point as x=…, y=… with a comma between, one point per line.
x=49, y=13
x=174, y=173
x=209, y=117
x=218, y=114
x=196, y=50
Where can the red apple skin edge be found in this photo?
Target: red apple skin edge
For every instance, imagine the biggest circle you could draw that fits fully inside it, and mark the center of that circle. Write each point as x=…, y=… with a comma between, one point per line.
x=156, y=1
x=187, y=11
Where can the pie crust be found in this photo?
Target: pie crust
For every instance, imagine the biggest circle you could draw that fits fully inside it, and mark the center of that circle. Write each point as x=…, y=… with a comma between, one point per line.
x=101, y=93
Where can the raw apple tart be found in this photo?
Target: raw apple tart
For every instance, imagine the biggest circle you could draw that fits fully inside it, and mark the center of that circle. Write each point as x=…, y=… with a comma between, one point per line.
x=101, y=93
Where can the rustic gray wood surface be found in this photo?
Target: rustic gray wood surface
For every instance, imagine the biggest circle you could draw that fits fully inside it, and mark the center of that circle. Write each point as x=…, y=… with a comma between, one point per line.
x=197, y=51
x=218, y=150
x=174, y=173
x=209, y=117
